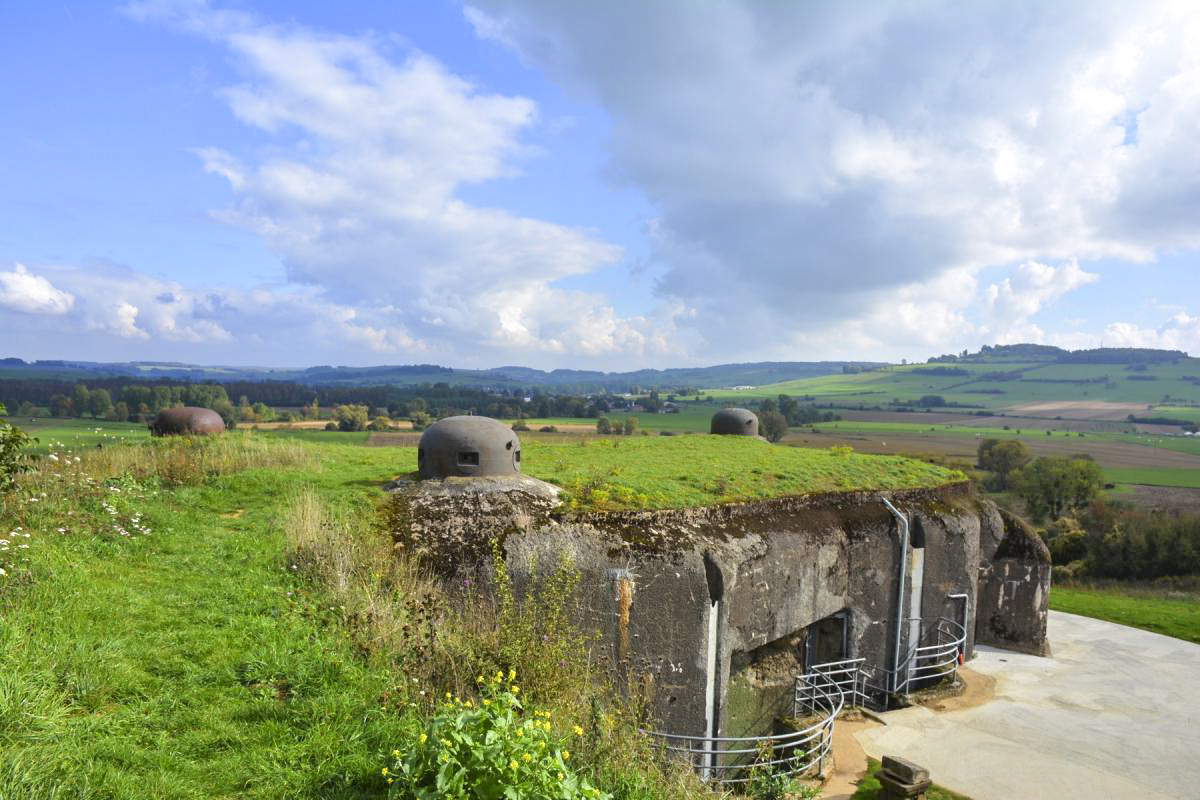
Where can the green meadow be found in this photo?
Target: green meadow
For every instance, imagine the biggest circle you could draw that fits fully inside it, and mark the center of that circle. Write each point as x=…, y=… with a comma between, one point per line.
x=1171, y=614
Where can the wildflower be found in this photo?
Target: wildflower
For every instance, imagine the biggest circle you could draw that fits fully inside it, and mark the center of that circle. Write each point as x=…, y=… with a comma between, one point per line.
x=513, y=764
x=520, y=731
x=395, y=754
x=526, y=757
x=562, y=777
x=479, y=679
x=512, y=674
x=514, y=689
x=385, y=771
x=566, y=754
x=422, y=739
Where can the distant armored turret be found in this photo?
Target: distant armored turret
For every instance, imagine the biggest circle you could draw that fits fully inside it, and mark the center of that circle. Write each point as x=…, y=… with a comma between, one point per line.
x=468, y=447
x=186, y=421
x=734, y=422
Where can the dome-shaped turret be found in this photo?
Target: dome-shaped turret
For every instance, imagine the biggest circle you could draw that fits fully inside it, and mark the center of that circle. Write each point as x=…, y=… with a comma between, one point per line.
x=468, y=447
x=734, y=422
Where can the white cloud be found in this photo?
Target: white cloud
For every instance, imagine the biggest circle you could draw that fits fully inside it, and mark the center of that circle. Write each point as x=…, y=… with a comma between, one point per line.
x=812, y=162
x=21, y=290
x=1009, y=304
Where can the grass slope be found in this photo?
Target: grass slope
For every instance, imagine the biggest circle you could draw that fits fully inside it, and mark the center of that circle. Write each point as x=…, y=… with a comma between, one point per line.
x=1171, y=616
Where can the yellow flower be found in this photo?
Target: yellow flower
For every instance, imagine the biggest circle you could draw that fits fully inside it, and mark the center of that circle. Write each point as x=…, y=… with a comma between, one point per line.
x=520, y=731
x=566, y=754
x=422, y=738
x=513, y=764
x=444, y=758
x=526, y=757
x=512, y=674
x=499, y=677
x=487, y=702
x=562, y=777
x=469, y=704
x=396, y=753
x=449, y=696
x=578, y=730
x=514, y=689
x=384, y=772
x=389, y=780
x=479, y=679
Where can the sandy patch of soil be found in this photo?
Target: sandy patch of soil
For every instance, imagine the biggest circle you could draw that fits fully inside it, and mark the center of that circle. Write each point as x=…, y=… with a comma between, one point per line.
x=977, y=690
x=849, y=759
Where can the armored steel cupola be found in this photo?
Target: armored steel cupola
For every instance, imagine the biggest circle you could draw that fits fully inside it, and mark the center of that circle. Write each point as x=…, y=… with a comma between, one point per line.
x=468, y=447
x=734, y=422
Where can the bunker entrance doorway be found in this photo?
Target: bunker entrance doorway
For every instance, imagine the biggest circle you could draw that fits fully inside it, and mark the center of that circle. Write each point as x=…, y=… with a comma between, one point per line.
x=827, y=640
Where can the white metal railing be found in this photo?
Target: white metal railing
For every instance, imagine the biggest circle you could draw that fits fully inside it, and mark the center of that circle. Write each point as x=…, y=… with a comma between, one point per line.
x=930, y=663
x=728, y=760
x=859, y=684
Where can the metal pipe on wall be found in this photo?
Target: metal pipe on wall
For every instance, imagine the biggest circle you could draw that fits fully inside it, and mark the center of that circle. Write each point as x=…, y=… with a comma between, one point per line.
x=903, y=531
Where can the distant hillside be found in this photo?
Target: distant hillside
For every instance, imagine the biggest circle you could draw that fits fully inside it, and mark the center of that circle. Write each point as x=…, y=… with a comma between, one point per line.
x=1047, y=353
x=509, y=377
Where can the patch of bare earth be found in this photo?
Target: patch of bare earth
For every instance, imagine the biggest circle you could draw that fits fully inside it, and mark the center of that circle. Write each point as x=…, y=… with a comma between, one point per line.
x=1163, y=498
x=1078, y=409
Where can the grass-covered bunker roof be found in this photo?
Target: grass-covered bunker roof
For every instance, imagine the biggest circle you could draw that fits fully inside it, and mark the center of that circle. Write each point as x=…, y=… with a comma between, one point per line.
x=682, y=471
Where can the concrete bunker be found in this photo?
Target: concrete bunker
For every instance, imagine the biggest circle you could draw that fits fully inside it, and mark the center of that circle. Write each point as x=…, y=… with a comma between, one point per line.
x=468, y=447
x=186, y=421
x=734, y=422
x=742, y=618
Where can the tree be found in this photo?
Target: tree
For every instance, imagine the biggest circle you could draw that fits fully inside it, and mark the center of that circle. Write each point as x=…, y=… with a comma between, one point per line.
x=1052, y=485
x=61, y=406
x=80, y=399
x=604, y=426
x=380, y=423
x=119, y=412
x=1001, y=458
x=772, y=424
x=101, y=403
x=350, y=417
x=630, y=426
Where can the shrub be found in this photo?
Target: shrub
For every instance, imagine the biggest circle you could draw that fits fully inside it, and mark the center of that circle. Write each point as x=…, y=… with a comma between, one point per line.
x=548, y=429
x=489, y=749
x=13, y=456
x=331, y=426
x=773, y=425
x=380, y=424
x=520, y=425
x=350, y=417
x=604, y=425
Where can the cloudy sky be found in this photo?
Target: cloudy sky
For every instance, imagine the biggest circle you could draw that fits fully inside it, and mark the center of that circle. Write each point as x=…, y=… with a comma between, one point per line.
x=606, y=185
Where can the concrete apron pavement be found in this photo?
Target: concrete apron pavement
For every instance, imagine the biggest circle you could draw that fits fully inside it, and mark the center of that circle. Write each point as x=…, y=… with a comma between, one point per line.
x=1115, y=713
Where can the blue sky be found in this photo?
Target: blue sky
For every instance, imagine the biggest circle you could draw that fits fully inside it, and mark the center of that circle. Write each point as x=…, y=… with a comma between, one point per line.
x=608, y=186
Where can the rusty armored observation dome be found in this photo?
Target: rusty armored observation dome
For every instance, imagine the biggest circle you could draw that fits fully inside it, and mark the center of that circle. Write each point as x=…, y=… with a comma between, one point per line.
x=734, y=422
x=468, y=447
x=186, y=421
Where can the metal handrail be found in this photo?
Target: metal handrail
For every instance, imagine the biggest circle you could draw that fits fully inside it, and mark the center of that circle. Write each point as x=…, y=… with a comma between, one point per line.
x=723, y=759
x=937, y=660
x=853, y=678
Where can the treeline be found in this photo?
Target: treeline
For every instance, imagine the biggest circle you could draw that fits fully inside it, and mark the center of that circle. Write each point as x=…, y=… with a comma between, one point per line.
x=1042, y=352
x=1108, y=541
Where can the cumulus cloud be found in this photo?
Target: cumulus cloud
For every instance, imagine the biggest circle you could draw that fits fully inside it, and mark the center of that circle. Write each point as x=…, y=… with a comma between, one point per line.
x=359, y=195
x=809, y=161
x=21, y=290
x=1009, y=304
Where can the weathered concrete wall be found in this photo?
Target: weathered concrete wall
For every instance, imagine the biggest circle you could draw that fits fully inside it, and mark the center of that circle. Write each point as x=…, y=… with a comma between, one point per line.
x=1014, y=591
x=649, y=579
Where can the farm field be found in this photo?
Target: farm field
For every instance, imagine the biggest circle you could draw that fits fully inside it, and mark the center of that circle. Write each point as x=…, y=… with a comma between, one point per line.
x=1171, y=614
x=1023, y=384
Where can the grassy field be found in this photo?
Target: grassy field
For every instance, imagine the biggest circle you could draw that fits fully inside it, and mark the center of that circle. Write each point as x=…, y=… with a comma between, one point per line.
x=1184, y=478
x=225, y=618
x=1175, y=615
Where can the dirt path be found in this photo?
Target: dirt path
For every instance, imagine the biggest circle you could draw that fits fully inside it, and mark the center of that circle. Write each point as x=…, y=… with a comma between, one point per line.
x=849, y=759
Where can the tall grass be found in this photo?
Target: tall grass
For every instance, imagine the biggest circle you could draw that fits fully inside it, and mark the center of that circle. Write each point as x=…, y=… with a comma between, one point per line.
x=188, y=461
x=438, y=639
